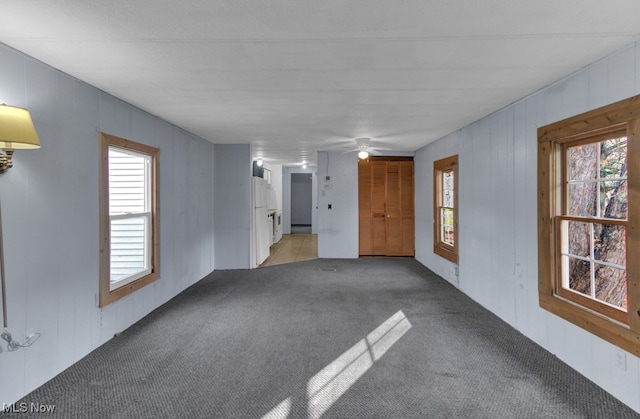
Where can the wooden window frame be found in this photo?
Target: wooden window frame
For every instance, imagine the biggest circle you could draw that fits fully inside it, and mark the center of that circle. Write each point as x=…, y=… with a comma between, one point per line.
x=624, y=331
x=106, y=294
x=448, y=164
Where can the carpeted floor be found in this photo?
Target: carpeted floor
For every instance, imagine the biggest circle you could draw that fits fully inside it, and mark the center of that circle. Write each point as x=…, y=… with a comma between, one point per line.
x=251, y=344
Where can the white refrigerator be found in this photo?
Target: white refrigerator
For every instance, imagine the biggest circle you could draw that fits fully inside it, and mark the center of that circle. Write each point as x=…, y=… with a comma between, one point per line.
x=261, y=221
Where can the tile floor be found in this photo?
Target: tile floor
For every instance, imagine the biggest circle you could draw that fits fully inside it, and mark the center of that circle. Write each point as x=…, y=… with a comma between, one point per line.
x=293, y=248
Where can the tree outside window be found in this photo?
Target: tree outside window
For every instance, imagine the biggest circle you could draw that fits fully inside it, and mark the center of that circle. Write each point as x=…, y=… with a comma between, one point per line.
x=589, y=221
x=593, y=224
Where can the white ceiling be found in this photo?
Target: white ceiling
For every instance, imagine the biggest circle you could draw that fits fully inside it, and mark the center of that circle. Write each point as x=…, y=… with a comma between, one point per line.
x=293, y=77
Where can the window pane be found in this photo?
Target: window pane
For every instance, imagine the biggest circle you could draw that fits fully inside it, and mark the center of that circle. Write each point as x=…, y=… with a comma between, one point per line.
x=447, y=199
x=613, y=158
x=582, y=162
x=127, y=182
x=447, y=216
x=446, y=221
x=611, y=285
x=128, y=240
x=447, y=190
x=579, y=275
x=613, y=199
x=579, y=238
x=447, y=180
x=609, y=243
x=583, y=198
x=447, y=235
x=589, y=246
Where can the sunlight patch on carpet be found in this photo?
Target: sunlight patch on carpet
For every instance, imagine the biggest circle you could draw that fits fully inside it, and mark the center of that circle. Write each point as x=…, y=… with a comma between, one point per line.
x=330, y=383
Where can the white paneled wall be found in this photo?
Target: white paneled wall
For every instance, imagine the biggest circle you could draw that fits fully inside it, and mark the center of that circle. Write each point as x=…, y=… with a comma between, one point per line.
x=50, y=220
x=338, y=226
x=233, y=211
x=498, y=215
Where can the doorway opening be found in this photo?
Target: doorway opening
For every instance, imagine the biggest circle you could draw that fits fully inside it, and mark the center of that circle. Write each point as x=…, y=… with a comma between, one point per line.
x=301, y=203
x=298, y=243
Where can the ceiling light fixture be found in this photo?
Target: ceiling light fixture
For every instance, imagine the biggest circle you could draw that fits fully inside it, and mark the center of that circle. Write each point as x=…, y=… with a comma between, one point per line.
x=363, y=146
x=16, y=131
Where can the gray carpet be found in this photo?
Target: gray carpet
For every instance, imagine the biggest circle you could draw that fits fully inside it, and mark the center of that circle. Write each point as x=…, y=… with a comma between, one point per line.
x=238, y=343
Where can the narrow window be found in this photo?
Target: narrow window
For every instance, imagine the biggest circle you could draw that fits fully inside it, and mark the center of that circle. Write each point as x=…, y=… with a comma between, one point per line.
x=128, y=217
x=588, y=221
x=445, y=199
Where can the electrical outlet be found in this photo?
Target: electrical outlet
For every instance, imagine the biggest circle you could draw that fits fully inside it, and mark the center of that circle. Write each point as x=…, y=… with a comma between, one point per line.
x=621, y=359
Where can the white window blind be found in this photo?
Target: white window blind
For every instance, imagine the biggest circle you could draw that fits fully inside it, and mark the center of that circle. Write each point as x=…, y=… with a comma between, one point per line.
x=129, y=215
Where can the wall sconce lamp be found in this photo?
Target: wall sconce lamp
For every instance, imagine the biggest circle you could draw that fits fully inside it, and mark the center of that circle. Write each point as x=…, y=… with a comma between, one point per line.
x=16, y=131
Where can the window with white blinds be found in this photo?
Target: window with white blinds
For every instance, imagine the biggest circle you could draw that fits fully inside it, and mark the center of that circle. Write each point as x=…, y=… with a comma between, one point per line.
x=128, y=205
x=129, y=215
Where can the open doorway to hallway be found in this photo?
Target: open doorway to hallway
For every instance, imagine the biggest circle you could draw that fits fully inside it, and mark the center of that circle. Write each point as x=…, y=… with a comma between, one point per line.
x=298, y=243
x=301, y=203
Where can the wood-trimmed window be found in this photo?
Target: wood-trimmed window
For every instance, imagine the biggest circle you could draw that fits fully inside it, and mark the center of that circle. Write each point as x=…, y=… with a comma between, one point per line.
x=128, y=217
x=445, y=212
x=589, y=221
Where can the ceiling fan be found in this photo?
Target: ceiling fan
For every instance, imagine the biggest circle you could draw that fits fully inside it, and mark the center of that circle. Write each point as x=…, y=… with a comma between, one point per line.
x=364, y=148
x=375, y=145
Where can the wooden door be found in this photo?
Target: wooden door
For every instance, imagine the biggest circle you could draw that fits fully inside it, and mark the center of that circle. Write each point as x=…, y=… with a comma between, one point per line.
x=394, y=210
x=364, y=208
x=378, y=207
x=407, y=208
x=386, y=208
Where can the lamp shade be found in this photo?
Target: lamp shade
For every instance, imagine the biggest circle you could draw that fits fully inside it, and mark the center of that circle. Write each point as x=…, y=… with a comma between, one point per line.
x=16, y=128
